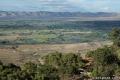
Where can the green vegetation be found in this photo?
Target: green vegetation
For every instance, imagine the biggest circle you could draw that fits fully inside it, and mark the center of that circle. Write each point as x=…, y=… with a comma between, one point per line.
x=103, y=62
x=66, y=64
x=115, y=37
x=49, y=32
x=106, y=59
x=56, y=66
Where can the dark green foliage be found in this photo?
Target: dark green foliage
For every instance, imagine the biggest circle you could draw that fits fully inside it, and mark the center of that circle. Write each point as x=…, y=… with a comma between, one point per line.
x=66, y=64
x=46, y=72
x=9, y=72
x=115, y=36
x=105, y=61
x=29, y=71
x=104, y=55
x=53, y=59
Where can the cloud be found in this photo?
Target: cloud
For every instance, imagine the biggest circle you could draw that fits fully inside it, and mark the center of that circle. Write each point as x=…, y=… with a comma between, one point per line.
x=61, y=5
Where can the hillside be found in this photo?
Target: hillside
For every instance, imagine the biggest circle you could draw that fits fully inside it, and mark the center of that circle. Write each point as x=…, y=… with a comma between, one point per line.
x=8, y=15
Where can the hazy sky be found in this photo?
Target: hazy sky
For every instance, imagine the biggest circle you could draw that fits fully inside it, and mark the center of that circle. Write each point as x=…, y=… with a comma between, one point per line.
x=61, y=5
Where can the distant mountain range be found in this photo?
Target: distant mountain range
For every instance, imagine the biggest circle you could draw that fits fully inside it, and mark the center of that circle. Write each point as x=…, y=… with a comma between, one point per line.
x=44, y=15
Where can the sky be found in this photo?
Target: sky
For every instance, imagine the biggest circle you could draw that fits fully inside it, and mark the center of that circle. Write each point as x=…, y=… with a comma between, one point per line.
x=61, y=5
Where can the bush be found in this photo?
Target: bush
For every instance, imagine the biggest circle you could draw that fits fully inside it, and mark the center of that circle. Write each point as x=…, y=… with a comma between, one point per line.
x=115, y=37
x=66, y=64
x=105, y=61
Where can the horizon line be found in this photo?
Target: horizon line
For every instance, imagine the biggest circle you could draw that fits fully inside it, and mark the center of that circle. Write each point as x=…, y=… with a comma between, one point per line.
x=59, y=11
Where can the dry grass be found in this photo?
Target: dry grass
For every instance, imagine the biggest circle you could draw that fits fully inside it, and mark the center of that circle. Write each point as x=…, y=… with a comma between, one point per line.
x=10, y=37
x=25, y=53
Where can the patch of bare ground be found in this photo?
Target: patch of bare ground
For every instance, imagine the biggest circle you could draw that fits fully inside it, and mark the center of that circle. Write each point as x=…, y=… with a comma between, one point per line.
x=77, y=32
x=24, y=53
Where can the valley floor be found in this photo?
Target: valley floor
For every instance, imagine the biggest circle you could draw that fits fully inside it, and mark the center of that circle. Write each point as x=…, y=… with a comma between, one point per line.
x=23, y=53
